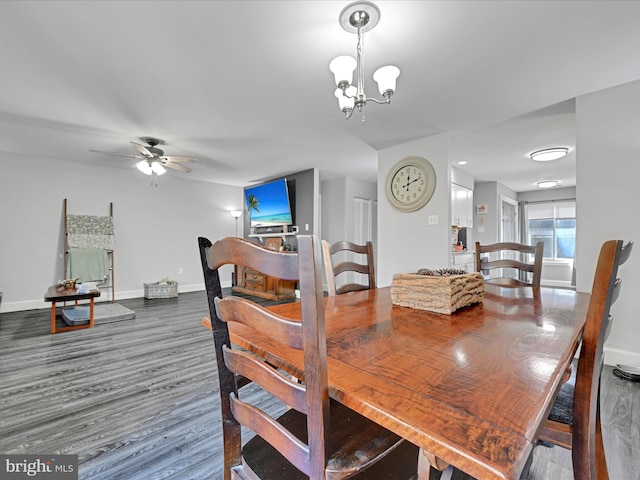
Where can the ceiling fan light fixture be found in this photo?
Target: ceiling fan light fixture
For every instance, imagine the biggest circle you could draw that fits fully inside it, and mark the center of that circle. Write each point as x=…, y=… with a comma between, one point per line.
x=549, y=154
x=144, y=167
x=157, y=168
x=548, y=184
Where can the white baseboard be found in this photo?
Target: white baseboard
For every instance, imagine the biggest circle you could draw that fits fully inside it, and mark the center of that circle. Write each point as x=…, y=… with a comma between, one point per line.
x=556, y=283
x=23, y=305
x=612, y=356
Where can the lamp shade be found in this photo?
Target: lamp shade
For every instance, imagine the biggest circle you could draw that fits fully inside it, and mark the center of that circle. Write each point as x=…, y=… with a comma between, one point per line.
x=235, y=213
x=346, y=102
x=342, y=68
x=386, y=78
x=144, y=167
x=157, y=168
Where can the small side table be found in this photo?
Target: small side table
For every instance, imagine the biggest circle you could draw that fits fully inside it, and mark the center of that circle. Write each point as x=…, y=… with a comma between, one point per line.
x=58, y=294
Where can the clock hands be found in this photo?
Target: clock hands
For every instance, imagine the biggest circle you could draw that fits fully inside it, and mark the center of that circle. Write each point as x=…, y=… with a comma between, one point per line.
x=406, y=187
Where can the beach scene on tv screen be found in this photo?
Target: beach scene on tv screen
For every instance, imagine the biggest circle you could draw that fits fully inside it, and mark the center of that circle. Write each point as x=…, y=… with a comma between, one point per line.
x=268, y=204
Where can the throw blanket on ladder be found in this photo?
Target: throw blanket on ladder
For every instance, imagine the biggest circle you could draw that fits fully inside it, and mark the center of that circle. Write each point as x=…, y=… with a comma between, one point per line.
x=88, y=264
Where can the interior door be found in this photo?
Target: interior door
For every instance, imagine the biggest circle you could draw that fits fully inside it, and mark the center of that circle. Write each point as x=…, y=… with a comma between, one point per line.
x=509, y=229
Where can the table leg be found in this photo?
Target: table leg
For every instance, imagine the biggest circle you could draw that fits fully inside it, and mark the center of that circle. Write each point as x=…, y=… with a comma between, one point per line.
x=53, y=317
x=91, y=312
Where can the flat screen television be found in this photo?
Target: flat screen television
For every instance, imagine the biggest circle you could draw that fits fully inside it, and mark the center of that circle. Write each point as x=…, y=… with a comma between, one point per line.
x=268, y=204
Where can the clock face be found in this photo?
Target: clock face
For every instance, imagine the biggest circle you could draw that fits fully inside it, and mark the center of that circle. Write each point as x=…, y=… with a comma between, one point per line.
x=411, y=183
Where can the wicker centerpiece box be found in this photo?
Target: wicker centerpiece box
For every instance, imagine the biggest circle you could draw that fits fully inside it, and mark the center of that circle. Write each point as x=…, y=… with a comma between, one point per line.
x=161, y=289
x=441, y=293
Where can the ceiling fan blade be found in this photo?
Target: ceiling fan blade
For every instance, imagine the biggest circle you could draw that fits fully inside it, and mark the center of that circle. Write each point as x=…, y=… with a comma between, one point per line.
x=175, y=158
x=143, y=150
x=117, y=154
x=176, y=166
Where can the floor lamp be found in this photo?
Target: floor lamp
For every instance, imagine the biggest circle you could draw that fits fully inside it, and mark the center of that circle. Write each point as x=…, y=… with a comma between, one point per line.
x=236, y=214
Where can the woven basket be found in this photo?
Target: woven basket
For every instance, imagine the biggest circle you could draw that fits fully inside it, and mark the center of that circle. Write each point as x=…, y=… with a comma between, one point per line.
x=437, y=294
x=161, y=290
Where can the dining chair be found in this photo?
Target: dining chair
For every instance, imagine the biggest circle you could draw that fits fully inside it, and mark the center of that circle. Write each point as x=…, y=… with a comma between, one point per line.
x=505, y=251
x=316, y=437
x=334, y=267
x=574, y=422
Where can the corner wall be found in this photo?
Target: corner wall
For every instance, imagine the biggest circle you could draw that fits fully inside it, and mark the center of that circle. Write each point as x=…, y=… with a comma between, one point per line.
x=608, y=171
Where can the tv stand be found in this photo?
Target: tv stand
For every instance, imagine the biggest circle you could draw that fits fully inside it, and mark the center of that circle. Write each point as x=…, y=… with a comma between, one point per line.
x=252, y=282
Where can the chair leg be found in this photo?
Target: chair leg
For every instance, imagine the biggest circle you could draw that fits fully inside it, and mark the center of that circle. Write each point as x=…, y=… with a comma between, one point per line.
x=427, y=460
x=601, y=461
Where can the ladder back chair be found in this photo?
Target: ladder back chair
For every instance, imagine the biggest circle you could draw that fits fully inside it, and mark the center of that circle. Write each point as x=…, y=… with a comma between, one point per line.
x=316, y=438
x=333, y=268
x=574, y=422
x=519, y=263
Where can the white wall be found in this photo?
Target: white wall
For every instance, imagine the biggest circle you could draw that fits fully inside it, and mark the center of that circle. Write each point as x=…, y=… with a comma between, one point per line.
x=156, y=228
x=485, y=225
x=337, y=206
x=608, y=198
x=334, y=218
x=405, y=241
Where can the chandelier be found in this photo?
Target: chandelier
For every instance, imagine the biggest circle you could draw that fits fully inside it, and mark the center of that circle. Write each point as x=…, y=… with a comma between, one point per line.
x=359, y=17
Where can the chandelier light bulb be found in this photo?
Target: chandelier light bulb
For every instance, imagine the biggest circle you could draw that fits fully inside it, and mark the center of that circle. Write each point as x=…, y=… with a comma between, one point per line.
x=342, y=68
x=346, y=98
x=386, y=78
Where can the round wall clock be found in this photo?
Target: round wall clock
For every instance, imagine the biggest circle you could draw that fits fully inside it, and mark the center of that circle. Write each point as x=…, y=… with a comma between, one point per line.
x=411, y=183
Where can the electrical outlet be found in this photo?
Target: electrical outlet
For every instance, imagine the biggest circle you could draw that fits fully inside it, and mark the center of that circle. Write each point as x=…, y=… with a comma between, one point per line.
x=432, y=220
x=306, y=227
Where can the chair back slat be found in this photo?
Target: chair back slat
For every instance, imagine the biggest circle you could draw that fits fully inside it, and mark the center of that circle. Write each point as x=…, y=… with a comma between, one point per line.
x=237, y=309
x=520, y=264
x=234, y=251
x=626, y=252
x=242, y=363
x=296, y=451
x=333, y=267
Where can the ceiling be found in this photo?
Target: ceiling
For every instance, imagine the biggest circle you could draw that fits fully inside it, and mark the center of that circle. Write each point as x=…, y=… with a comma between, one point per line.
x=245, y=85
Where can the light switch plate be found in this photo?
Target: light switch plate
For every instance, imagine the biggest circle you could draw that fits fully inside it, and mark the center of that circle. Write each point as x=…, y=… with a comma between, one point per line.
x=432, y=220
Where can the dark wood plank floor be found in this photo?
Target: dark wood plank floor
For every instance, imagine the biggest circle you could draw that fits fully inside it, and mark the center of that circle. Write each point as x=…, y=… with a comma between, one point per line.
x=137, y=399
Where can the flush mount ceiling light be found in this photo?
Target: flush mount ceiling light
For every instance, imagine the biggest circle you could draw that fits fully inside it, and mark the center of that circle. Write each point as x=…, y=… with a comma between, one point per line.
x=549, y=154
x=360, y=17
x=548, y=184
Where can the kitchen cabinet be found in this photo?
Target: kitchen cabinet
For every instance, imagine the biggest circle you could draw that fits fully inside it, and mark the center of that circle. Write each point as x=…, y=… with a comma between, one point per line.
x=464, y=261
x=461, y=206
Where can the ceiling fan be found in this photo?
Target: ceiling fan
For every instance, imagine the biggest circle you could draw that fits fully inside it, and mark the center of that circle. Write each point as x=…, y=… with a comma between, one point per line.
x=152, y=159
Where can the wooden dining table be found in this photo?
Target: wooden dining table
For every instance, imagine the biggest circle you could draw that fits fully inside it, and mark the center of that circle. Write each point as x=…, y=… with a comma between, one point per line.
x=472, y=389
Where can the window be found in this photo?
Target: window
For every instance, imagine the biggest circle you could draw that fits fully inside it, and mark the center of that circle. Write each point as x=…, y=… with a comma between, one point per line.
x=554, y=224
